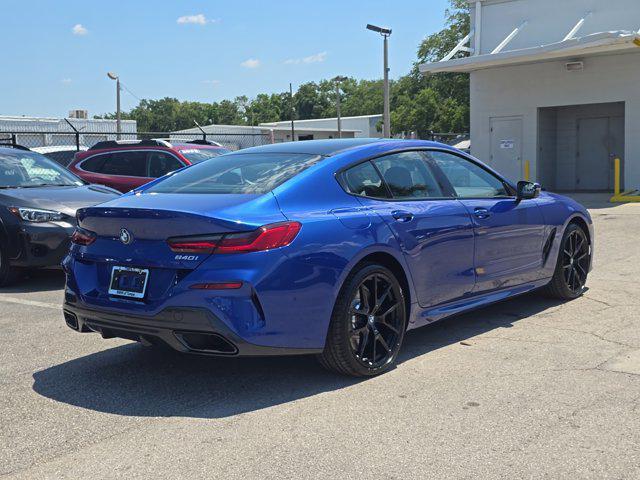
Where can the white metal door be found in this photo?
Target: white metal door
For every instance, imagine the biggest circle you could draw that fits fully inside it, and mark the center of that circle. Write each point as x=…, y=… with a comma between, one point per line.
x=506, y=146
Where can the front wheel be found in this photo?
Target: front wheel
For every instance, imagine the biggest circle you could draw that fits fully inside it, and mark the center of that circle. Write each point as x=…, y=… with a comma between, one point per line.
x=572, y=267
x=368, y=324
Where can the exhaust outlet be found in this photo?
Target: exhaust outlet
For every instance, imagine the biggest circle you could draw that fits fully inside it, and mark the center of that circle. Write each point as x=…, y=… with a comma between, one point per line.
x=71, y=320
x=213, y=343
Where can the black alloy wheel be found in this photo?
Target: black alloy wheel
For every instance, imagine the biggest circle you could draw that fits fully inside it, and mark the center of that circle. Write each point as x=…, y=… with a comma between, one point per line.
x=375, y=321
x=368, y=323
x=575, y=261
x=572, y=267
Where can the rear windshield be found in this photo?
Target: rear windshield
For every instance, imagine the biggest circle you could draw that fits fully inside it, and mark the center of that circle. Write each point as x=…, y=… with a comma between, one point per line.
x=197, y=155
x=254, y=173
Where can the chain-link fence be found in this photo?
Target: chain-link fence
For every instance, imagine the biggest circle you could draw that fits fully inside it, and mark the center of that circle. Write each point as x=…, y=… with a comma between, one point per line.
x=82, y=140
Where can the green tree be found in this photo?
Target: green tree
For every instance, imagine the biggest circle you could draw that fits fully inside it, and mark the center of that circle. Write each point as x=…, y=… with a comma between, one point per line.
x=442, y=100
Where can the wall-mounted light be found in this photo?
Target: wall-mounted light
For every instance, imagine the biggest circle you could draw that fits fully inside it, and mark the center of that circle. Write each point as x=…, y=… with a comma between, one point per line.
x=576, y=66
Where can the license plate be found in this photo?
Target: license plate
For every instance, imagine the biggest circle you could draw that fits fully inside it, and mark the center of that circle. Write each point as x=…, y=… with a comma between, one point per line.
x=128, y=282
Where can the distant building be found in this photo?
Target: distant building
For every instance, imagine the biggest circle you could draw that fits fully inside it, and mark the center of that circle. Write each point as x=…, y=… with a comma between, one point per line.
x=363, y=126
x=83, y=114
x=238, y=136
x=233, y=137
x=556, y=83
x=45, y=131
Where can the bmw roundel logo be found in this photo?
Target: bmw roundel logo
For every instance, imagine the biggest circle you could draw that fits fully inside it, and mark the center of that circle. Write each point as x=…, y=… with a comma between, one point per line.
x=125, y=236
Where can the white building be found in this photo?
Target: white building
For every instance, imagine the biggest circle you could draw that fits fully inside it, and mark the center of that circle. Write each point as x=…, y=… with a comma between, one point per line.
x=45, y=131
x=238, y=136
x=363, y=126
x=556, y=83
x=233, y=137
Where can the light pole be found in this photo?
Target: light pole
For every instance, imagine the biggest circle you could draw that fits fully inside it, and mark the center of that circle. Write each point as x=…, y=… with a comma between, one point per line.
x=115, y=77
x=386, y=117
x=337, y=81
x=293, y=125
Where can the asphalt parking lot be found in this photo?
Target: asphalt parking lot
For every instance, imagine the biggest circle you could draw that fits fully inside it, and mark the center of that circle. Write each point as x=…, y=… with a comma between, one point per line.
x=530, y=388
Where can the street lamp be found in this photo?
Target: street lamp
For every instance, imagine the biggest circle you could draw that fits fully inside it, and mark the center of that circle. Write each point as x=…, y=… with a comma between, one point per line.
x=337, y=81
x=115, y=77
x=386, y=118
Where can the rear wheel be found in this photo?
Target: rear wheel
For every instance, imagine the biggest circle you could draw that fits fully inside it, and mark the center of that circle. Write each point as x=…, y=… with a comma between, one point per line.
x=368, y=323
x=572, y=267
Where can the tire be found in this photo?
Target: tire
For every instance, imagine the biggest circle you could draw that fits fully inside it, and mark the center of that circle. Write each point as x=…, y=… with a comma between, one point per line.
x=8, y=274
x=364, y=339
x=572, y=267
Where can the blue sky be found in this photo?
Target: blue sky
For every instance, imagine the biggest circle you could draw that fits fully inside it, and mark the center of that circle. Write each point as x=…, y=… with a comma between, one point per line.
x=56, y=54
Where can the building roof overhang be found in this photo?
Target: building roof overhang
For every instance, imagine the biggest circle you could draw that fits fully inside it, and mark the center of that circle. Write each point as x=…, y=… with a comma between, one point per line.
x=594, y=44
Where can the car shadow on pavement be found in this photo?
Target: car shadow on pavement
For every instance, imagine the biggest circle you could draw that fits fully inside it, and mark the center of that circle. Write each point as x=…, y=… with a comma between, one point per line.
x=133, y=380
x=45, y=280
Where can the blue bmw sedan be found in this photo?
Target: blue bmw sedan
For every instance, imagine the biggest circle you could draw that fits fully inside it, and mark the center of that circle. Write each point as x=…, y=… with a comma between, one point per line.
x=331, y=247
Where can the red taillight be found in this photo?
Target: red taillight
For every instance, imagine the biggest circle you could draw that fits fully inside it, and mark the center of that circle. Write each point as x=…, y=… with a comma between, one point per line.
x=217, y=286
x=195, y=245
x=265, y=238
x=268, y=237
x=83, y=237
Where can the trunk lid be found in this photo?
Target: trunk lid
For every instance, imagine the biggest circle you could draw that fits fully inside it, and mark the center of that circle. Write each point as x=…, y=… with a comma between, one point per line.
x=150, y=220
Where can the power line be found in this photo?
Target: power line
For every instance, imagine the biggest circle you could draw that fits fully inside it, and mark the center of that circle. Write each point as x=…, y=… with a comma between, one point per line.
x=124, y=87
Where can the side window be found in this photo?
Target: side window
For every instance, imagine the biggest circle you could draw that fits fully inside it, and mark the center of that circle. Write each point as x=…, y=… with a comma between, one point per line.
x=161, y=163
x=127, y=164
x=363, y=179
x=468, y=179
x=94, y=164
x=409, y=176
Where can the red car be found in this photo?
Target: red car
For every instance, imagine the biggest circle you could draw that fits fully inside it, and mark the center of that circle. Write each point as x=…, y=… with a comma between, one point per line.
x=126, y=165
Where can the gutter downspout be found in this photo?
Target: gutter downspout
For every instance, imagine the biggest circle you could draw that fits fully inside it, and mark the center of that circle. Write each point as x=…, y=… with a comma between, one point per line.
x=477, y=28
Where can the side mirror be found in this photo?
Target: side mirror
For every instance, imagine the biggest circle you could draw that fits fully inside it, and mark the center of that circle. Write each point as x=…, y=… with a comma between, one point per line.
x=528, y=190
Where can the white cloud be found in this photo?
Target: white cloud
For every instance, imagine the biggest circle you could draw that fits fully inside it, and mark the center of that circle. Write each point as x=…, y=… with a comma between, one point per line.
x=78, y=29
x=198, y=19
x=251, y=63
x=66, y=81
x=317, y=58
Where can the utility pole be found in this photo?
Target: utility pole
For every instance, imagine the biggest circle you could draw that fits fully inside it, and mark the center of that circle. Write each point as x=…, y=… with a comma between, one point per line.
x=386, y=116
x=293, y=127
x=115, y=77
x=337, y=81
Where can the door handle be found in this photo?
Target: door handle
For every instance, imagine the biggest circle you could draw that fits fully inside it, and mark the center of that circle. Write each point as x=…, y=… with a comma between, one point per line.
x=482, y=212
x=402, y=215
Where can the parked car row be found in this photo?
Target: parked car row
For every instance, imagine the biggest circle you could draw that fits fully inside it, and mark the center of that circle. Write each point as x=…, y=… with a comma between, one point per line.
x=125, y=165
x=333, y=248
x=39, y=196
x=38, y=204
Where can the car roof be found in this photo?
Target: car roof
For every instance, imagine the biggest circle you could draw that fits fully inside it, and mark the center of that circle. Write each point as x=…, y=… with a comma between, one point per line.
x=195, y=146
x=58, y=148
x=312, y=147
x=14, y=150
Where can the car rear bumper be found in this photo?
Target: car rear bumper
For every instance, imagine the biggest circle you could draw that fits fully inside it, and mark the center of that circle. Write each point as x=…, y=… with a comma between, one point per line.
x=185, y=329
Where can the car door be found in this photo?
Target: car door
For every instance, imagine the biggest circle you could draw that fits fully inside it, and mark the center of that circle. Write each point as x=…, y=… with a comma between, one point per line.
x=161, y=163
x=434, y=231
x=509, y=233
x=126, y=169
